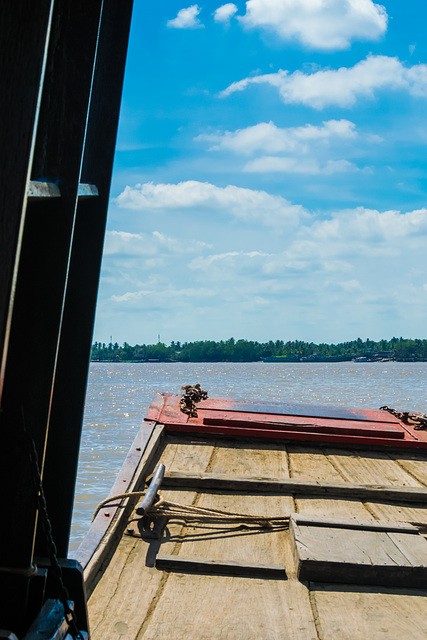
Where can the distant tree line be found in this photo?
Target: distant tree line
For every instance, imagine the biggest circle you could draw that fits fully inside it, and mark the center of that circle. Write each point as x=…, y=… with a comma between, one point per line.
x=401, y=349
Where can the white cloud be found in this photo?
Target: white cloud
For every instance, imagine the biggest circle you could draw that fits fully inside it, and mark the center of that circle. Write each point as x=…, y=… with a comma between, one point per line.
x=305, y=147
x=243, y=204
x=164, y=296
x=270, y=164
x=186, y=18
x=365, y=265
x=362, y=235
x=225, y=12
x=229, y=259
x=268, y=138
x=341, y=87
x=132, y=296
x=350, y=285
x=354, y=241
x=318, y=24
x=144, y=244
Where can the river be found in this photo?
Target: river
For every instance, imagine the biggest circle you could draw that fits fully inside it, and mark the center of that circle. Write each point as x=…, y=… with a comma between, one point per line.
x=119, y=395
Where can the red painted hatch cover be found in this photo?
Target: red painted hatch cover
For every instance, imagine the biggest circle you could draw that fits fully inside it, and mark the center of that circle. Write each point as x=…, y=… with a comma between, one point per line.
x=290, y=421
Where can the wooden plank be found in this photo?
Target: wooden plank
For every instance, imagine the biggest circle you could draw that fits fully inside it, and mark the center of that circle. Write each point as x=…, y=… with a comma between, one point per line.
x=295, y=409
x=383, y=468
x=353, y=523
x=415, y=551
x=334, y=549
x=176, y=423
x=203, y=565
x=356, y=556
x=131, y=584
x=235, y=607
x=155, y=407
x=225, y=607
x=100, y=541
x=414, y=463
x=303, y=423
x=260, y=545
x=292, y=486
x=359, y=613
x=310, y=463
x=373, y=466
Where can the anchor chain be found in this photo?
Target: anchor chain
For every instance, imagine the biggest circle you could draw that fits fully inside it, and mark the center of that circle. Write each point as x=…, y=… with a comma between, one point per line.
x=192, y=393
x=412, y=418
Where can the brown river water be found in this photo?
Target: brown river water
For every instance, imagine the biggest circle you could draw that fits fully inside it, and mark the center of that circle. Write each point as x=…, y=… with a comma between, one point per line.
x=119, y=395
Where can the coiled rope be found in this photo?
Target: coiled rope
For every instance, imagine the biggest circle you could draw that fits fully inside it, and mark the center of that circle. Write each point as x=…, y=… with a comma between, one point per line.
x=166, y=509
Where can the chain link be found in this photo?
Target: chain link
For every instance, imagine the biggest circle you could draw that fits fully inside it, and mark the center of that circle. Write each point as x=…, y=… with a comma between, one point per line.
x=192, y=393
x=46, y=526
x=412, y=418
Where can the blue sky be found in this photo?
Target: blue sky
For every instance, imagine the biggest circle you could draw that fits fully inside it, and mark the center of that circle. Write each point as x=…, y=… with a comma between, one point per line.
x=270, y=175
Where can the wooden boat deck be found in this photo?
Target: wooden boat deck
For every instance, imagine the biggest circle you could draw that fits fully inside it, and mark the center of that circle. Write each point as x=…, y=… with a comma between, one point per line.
x=135, y=600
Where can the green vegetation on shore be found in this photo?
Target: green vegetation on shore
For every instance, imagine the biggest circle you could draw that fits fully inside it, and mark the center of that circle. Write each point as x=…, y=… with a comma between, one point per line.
x=401, y=349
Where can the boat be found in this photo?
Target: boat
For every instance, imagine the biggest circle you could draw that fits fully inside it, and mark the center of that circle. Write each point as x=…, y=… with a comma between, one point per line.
x=311, y=358
x=295, y=358
x=263, y=520
x=61, y=69
x=240, y=519
x=318, y=358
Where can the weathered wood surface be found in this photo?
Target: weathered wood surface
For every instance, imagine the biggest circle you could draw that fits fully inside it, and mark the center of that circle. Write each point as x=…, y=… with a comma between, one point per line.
x=304, y=423
x=131, y=584
x=135, y=600
x=97, y=545
x=354, y=523
x=292, y=486
x=236, y=607
x=206, y=565
x=149, y=603
x=415, y=465
x=359, y=613
x=369, y=554
x=381, y=467
x=310, y=463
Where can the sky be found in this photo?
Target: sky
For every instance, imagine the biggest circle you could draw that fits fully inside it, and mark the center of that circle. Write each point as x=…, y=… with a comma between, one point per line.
x=270, y=176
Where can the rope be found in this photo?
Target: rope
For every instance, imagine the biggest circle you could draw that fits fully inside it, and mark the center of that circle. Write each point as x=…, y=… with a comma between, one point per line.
x=163, y=508
x=166, y=509
x=135, y=494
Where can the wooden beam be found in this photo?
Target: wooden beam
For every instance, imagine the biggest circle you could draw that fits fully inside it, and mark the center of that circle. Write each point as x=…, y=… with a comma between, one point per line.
x=68, y=394
x=342, y=553
x=292, y=486
x=354, y=523
x=111, y=521
x=219, y=567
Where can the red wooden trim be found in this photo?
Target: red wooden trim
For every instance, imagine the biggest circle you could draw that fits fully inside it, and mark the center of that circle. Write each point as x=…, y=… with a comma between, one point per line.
x=223, y=416
x=296, y=409
x=294, y=435
x=298, y=423
x=155, y=408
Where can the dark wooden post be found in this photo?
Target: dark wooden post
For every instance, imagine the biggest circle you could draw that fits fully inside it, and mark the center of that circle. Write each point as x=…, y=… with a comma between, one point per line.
x=63, y=65
x=85, y=265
